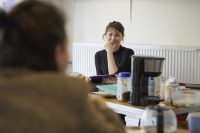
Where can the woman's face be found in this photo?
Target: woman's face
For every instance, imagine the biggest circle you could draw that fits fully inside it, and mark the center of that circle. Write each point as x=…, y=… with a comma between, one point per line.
x=114, y=37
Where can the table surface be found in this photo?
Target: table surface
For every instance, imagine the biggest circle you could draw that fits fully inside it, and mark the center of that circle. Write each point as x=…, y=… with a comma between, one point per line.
x=124, y=107
x=137, y=130
x=114, y=104
x=133, y=112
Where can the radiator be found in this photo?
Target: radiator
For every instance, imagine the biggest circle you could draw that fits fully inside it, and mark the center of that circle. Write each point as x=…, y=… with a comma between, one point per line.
x=181, y=62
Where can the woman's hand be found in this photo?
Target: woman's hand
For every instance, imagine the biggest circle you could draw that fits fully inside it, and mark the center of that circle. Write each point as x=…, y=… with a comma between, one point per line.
x=109, y=47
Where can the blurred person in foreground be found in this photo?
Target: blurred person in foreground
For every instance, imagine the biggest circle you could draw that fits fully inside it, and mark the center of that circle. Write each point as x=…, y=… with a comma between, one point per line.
x=35, y=94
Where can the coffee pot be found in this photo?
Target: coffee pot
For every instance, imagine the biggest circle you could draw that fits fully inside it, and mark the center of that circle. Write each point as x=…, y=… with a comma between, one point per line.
x=157, y=119
x=143, y=67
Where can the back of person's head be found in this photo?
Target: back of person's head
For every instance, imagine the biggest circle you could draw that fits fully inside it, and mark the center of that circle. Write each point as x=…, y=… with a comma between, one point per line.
x=29, y=34
x=115, y=25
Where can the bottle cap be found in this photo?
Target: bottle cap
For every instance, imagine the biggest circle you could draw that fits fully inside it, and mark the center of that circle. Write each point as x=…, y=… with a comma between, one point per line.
x=124, y=74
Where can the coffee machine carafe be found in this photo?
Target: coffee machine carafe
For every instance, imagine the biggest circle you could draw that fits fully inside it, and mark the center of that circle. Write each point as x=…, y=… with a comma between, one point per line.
x=142, y=68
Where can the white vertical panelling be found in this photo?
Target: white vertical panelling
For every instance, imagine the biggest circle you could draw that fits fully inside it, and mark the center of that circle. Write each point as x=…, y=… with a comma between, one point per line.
x=83, y=58
x=181, y=62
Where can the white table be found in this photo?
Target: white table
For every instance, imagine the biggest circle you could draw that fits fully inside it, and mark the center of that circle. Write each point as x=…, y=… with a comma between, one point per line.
x=134, y=113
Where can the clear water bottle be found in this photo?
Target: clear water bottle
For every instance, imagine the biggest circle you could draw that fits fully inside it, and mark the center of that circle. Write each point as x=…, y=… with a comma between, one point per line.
x=123, y=86
x=175, y=86
x=157, y=119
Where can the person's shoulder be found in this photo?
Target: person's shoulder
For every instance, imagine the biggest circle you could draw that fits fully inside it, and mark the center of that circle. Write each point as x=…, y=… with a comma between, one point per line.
x=100, y=53
x=57, y=80
x=46, y=82
x=68, y=79
x=127, y=49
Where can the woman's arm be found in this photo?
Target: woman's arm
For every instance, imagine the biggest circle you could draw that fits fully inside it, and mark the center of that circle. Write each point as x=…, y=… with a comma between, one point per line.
x=112, y=67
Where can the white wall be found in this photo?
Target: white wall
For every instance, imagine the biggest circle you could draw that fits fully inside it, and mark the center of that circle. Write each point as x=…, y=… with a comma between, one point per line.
x=158, y=22
x=91, y=17
x=66, y=6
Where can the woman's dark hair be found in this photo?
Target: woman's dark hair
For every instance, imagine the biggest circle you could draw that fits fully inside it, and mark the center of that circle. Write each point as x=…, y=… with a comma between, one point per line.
x=29, y=35
x=116, y=25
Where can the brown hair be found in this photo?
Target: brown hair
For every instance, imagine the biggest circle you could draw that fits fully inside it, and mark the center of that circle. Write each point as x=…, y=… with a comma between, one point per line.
x=116, y=25
x=29, y=35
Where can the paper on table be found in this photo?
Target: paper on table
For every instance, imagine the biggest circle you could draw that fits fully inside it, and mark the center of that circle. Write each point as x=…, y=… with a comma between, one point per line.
x=110, y=88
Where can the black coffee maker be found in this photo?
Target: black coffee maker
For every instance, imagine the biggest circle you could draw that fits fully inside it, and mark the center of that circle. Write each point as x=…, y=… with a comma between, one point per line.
x=142, y=68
